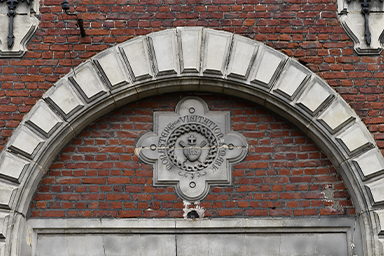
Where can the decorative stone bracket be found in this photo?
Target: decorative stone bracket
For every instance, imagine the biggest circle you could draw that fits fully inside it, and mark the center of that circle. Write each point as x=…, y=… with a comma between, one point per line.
x=192, y=148
x=18, y=25
x=363, y=22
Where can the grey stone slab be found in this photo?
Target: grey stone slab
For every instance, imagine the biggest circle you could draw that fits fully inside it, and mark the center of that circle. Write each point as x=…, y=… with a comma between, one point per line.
x=262, y=244
x=370, y=163
x=315, y=96
x=242, y=57
x=293, y=77
x=7, y=193
x=164, y=52
x=215, y=51
x=136, y=55
x=267, y=67
x=298, y=244
x=52, y=246
x=355, y=139
x=25, y=142
x=87, y=81
x=43, y=119
x=190, y=39
x=329, y=244
x=84, y=245
x=111, y=67
x=12, y=167
x=336, y=116
x=377, y=191
x=64, y=99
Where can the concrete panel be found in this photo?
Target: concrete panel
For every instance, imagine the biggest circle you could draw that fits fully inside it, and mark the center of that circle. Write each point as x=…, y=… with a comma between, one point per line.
x=135, y=53
x=268, y=65
x=370, y=164
x=216, y=51
x=354, y=139
x=25, y=142
x=190, y=45
x=111, y=68
x=164, y=54
x=336, y=116
x=315, y=97
x=88, y=82
x=43, y=119
x=12, y=167
x=292, y=79
x=63, y=97
x=242, y=57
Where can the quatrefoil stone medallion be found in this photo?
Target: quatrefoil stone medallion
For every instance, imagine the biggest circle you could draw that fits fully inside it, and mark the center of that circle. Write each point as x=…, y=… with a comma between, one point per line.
x=192, y=149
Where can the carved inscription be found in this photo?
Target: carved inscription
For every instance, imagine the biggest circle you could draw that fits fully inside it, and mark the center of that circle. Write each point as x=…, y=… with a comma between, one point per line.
x=192, y=149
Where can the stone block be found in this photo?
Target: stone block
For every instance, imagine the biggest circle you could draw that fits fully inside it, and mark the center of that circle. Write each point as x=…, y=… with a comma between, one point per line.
x=48, y=244
x=163, y=47
x=336, y=116
x=64, y=99
x=111, y=68
x=84, y=245
x=43, y=119
x=12, y=167
x=377, y=191
x=189, y=49
x=136, y=56
x=242, y=58
x=87, y=82
x=369, y=164
x=216, y=48
x=315, y=97
x=293, y=77
x=269, y=64
x=25, y=142
x=7, y=193
x=355, y=139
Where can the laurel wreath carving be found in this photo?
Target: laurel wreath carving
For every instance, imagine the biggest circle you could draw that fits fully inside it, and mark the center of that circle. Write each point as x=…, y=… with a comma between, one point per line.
x=212, y=143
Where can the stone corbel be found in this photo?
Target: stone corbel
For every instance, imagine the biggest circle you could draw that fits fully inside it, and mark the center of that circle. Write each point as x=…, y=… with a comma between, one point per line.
x=363, y=22
x=18, y=25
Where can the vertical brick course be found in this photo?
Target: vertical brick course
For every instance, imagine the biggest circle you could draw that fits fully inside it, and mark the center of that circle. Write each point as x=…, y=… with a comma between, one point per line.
x=98, y=174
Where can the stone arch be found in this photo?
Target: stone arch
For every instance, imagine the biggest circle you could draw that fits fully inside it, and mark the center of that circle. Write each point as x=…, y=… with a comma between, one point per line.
x=190, y=59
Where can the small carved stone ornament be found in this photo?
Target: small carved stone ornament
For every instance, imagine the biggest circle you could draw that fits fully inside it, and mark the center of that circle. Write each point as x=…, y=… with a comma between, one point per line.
x=192, y=149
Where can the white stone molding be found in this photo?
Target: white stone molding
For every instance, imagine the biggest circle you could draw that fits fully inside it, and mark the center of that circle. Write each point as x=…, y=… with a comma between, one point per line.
x=171, y=237
x=285, y=87
x=25, y=25
x=353, y=22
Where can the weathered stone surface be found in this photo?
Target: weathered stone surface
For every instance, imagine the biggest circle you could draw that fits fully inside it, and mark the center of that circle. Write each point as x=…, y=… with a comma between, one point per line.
x=25, y=142
x=12, y=167
x=370, y=163
x=355, y=139
x=164, y=52
x=135, y=53
x=87, y=81
x=268, y=65
x=215, y=51
x=63, y=97
x=242, y=57
x=112, y=68
x=336, y=116
x=43, y=119
x=189, y=48
x=377, y=192
x=6, y=195
x=292, y=79
x=315, y=97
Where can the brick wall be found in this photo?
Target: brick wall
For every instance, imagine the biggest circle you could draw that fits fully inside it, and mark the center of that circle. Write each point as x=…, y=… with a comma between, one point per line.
x=306, y=30
x=98, y=175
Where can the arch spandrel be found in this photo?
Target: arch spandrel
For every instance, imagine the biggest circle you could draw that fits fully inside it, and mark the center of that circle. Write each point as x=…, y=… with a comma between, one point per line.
x=166, y=61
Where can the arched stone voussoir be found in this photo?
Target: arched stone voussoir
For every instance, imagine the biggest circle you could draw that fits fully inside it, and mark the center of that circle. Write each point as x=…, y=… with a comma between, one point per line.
x=193, y=59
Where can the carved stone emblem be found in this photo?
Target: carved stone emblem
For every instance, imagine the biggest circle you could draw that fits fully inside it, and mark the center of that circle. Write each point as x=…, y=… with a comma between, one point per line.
x=192, y=148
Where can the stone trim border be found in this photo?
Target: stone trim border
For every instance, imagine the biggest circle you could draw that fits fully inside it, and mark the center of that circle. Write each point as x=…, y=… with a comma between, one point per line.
x=190, y=59
x=114, y=236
